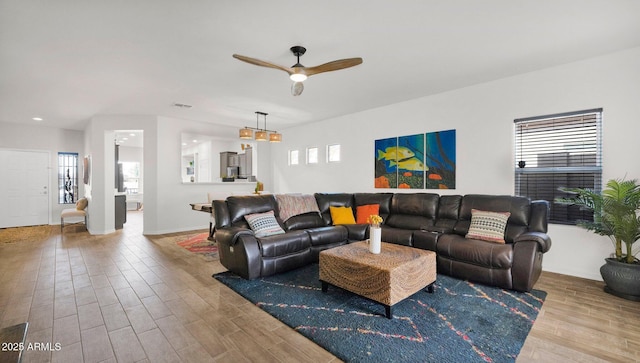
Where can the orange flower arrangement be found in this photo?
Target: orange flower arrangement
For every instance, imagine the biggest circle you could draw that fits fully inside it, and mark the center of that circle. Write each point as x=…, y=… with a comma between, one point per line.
x=404, y=186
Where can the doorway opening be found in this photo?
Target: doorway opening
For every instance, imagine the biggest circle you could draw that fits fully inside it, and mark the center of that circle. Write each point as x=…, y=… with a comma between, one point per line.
x=129, y=177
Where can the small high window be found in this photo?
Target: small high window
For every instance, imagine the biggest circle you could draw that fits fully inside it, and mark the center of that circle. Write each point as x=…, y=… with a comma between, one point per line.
x=312, y=155
x=294, y=157
x=333, y=153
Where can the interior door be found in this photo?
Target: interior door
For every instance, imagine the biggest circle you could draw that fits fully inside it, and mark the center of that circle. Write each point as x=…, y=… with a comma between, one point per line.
x=24, y=188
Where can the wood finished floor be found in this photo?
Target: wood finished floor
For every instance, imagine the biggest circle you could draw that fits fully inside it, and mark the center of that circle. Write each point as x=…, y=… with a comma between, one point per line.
x=122, y=297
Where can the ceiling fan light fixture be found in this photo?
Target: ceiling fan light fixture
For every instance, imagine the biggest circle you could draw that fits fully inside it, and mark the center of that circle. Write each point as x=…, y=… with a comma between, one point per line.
x=298, y=77
x=246, y=134
x=299, y=73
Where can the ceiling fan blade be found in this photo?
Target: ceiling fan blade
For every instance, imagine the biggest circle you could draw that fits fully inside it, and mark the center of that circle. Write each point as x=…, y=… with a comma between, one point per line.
x=262, y=63
x=333, y=66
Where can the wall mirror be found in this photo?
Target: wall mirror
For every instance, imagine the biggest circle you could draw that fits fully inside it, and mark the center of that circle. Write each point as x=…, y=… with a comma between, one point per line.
x=210, y=159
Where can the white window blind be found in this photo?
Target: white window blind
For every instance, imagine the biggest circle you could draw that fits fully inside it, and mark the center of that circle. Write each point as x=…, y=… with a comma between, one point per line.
x=555, y=151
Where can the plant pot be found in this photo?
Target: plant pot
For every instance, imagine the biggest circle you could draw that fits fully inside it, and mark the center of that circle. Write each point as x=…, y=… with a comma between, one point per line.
x=621, y=279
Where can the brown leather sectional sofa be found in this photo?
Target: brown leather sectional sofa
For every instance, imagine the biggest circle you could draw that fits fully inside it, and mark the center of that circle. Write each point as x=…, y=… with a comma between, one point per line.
x=420, y=220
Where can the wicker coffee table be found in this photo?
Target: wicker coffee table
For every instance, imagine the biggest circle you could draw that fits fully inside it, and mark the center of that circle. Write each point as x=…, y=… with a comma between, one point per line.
x=388, y=278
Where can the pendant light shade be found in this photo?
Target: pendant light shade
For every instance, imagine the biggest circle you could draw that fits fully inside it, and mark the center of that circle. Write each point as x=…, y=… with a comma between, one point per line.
x=275, y=137
x=261, y=136
x=260, y=133
x=246, y=133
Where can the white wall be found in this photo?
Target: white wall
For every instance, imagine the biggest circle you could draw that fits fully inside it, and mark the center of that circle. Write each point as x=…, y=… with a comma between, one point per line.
x=173, y=196
x=54, y=140
x=166, y=198
x=483, y=117
x=99, y=143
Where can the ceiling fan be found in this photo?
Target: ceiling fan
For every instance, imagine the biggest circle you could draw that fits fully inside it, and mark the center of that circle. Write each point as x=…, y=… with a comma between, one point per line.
x=299, y=73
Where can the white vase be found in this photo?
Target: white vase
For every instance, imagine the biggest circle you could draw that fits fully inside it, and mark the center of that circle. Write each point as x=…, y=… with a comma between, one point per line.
x=375, y=233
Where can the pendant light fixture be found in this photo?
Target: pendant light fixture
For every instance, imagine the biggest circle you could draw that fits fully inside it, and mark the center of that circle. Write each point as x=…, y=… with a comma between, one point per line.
x=246, y=133
x=260, y=133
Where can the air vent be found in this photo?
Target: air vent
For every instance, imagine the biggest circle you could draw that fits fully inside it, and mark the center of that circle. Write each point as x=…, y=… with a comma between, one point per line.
x=181, y=105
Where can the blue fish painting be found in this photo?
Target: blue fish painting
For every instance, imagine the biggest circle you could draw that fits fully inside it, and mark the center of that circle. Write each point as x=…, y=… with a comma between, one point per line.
x=386, y=151
x=411, y=169
x=441, y=159
x=416, y=161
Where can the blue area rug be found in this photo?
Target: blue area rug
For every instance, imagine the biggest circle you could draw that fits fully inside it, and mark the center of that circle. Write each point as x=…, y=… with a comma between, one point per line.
x=459, y=322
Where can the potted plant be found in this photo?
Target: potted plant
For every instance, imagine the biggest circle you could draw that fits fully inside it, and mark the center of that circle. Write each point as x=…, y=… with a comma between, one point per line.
x=615, y=215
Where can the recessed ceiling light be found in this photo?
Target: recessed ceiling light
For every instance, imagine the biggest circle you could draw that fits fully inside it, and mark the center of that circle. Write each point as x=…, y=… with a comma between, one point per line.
x=125, y=138
x=132, y=134
x=37, y=119
x=194, y=140
x=184, y=144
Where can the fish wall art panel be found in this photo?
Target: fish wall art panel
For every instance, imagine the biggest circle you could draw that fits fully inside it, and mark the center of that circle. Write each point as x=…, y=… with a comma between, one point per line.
x=410, y=162
x=440, y=159
x=386, y=168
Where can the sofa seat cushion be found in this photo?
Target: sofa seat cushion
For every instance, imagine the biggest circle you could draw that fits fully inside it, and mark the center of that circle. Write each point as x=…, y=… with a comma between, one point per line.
x=284, y=244
x=398, y=236
x=476, y=252
x=327, y=235
x=357, y=232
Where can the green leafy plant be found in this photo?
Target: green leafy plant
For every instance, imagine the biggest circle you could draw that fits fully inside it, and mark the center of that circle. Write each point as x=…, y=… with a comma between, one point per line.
x=615, y=213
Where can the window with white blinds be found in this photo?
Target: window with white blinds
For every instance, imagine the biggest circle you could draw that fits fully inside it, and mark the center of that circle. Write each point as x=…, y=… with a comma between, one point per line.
x=555, y=151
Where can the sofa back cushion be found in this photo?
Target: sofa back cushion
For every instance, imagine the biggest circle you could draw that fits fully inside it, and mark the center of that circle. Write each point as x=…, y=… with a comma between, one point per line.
x=413, y=211
x=304, y=221
x=381, y=199
x=326, y=200
x=239, y=206
x=519, y=207
x=448, y=211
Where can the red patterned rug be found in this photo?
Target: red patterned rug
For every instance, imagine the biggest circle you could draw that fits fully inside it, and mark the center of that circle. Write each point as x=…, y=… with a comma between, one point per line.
x=200, y=244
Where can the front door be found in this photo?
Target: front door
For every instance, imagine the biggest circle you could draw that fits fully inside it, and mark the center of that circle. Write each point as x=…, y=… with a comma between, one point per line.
x=24, y=188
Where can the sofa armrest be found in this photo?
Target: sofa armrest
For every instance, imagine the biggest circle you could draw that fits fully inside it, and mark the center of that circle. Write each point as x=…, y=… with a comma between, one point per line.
x=543, y=240
x=240, y=252
x=229, y=236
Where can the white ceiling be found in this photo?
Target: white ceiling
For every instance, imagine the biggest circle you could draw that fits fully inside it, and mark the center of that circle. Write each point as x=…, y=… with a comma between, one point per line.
x=68, y=60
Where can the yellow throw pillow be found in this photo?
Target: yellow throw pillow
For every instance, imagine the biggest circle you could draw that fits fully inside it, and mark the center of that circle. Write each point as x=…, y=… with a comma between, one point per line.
x=342, y=215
